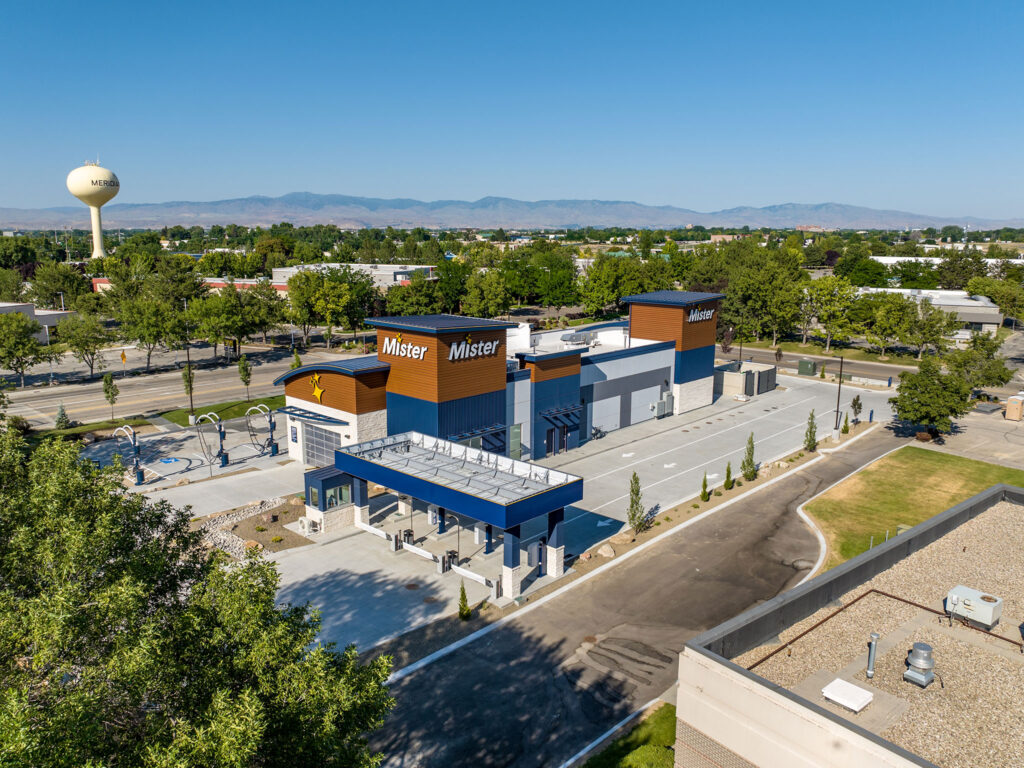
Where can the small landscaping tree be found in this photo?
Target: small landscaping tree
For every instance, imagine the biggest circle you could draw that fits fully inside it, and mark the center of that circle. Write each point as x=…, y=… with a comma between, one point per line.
x=636, y=515
x=110, y=392
x=846, y=424
x=188, y=379
x=245, y=373
x=705, y=494
x=749, y=466
x=729, y=482
x=811, y=435
x=464, y=610
x=62, y=421
x=296, y=361
x=821, y=373
x=856, y=406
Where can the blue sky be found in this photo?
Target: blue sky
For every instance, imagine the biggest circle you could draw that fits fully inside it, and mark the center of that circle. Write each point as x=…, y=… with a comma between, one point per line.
x=905, y=105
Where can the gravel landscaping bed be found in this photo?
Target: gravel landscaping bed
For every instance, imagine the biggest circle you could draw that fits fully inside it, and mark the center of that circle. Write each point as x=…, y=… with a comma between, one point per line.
x=972, y=718
x=216, y=529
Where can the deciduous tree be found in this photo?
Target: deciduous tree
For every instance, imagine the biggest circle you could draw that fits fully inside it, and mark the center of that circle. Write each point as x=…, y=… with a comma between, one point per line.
x=930, y=398
x=86, y=336
x=20, y=351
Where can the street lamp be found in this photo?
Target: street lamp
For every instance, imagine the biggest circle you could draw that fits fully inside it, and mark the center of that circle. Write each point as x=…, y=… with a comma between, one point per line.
x=839, y=394
x=61, y=294
x=49, y=359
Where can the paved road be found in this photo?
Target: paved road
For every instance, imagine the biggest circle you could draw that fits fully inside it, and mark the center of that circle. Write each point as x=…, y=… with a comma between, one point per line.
x=155, y=392
x=880, y=371
x=536, y=690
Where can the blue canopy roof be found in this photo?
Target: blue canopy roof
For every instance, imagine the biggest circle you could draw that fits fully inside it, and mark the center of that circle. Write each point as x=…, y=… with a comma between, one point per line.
x=672, y=298
x=353, y=366
x=438, y=323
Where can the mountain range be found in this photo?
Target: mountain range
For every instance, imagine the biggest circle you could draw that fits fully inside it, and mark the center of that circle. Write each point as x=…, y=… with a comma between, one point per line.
x=347, y=212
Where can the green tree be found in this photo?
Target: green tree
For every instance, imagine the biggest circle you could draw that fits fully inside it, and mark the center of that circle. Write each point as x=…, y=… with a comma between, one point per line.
x=302, y=295
x=892, y=316
x=636, y=515
x=749, y=466
x=705, y=494
x=62, y=421
x=57, y=286
x=296, y=361
x=86, y=336
x=452, y=275
x=598, y=286
x=811, y=434
x=125, y=643
x=20, y=350
x=979, y=364
x=556, y=277
x=110, y=392
x=846, y=424
x=931, y=327
x=330, y=301
x=729, y=482
x=856, y=406
x=144, y=321
x=264, y=307
x=486, y=294
x=419, y=297
x=1007, y=294
x=931, y=398
x=11, y=286
x=833, y=297
x=465, y=612
x=956, y=268
x=245, y=373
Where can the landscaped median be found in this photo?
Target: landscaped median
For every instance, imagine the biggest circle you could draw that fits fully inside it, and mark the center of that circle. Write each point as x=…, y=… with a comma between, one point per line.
x=905, y=487
x=649, y=745
x=98, y=429
x=232, y=409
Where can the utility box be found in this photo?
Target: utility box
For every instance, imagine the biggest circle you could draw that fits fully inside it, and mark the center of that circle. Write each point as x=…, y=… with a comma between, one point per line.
x=976, y=607
x=1014, y=408
x=807, y=368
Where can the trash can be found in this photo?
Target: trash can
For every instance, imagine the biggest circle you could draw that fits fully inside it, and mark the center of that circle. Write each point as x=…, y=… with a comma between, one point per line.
x=807, y=367
x=407, y=536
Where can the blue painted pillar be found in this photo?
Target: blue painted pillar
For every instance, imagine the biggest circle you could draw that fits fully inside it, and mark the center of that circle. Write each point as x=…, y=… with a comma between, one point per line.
x=488, y=540
x=360, y=495
x=510, y=553
x=441, y=513
x=556, y=520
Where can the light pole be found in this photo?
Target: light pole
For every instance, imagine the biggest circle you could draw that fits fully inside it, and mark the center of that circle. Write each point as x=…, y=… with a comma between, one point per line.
x=61, y=294
x=188, y=360
x=458, y=538
x=839, y=394
x=49, y=359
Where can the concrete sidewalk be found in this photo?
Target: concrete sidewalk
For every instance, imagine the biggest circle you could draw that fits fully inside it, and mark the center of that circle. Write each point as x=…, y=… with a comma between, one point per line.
x=228, y=492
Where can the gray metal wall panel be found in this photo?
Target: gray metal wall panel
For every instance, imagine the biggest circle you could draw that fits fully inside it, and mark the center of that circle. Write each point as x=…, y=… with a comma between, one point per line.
x=614, y=369
x=606, y=414
x=640, y=404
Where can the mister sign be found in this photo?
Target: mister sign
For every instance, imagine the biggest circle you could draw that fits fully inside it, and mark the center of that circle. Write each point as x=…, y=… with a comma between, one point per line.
x=697, y=315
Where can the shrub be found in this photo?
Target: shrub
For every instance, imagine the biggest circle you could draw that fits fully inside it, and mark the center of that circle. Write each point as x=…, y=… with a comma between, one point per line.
x=696, y=506
x=729, y=482
x=62, y=421
x=846, y=424
x=704, y=493
x=277, y=539
x=19, y=424
x=260, y=529
x=718, y=493
x=749, y=466
x=821, y=375
x=465, y=613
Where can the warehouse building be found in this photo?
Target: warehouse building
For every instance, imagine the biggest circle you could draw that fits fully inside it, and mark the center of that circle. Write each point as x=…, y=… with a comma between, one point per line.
x=493, y=385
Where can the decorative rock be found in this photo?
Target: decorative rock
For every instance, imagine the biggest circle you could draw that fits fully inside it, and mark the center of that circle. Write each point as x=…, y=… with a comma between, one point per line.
x=250, y=544
x=605, y=550
x=622, y=538
x=183, y=481
x=295, y=501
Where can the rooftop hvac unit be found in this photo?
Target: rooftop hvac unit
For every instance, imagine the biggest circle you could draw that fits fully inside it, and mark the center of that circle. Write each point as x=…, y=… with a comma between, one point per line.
x=974, y=606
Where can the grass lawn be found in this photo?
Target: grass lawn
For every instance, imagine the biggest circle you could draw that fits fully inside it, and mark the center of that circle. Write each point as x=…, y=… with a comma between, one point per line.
x=813, y=348
x=907, y=487
x=229, y=410
x=37, y=436
x=646, y=746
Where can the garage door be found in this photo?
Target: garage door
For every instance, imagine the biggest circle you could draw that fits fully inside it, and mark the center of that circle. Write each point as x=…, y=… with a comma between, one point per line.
x=606, y=414
x=319, y=445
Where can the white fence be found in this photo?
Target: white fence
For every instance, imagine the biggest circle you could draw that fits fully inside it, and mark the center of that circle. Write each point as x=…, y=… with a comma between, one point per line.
x=470, y=575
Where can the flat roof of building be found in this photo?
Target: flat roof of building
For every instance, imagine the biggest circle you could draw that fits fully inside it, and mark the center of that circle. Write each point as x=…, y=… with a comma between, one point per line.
x=969, y=717
x=438, y=323
x=672, y=298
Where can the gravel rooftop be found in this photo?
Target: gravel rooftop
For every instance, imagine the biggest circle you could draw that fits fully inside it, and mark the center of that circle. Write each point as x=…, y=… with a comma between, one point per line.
x=973, y=716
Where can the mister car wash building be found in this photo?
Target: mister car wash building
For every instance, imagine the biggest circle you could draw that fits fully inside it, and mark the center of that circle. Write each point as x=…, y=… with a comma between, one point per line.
x=448, y=414
x=495, y=386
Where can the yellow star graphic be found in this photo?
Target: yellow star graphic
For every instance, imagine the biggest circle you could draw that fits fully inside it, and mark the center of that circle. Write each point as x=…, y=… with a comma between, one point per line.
x=469, y=338
x=318, y=392
x=398, y=338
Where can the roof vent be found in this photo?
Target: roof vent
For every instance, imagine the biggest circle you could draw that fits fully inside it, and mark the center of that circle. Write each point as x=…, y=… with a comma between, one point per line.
x=920, y=665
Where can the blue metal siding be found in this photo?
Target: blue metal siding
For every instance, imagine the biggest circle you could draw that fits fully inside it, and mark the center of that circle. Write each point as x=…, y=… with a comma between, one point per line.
x=547, y=395
x=410, y=414
x=695, y=364
x=470, y=413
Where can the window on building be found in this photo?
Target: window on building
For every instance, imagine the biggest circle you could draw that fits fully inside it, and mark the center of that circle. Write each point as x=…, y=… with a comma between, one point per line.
x=319, y=445
x=515, y=441
x=314, y=497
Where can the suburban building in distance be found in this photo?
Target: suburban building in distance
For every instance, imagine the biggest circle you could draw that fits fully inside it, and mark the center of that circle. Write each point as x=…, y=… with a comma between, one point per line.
x=907, y=655
x=47, y=318
x=979, y=314
x=493, y=385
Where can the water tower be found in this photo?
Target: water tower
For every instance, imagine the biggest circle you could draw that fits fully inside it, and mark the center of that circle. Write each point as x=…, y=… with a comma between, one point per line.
x=94, y=186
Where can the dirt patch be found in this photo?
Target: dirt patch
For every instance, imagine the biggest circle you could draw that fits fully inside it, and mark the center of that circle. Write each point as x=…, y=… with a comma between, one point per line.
x=249, y=529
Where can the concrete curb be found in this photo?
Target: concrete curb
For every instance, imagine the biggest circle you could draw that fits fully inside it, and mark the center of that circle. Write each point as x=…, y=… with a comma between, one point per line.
x=578, y=757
